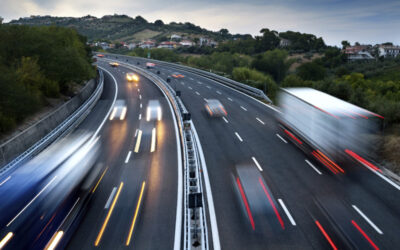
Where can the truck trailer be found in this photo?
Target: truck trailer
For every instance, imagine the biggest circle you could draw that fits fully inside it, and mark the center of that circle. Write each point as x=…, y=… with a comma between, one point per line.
x=333, y=131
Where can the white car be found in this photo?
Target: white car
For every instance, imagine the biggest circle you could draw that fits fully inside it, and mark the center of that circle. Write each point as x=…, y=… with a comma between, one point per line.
x=215, y=108
x=153, y=111
x=119, y=110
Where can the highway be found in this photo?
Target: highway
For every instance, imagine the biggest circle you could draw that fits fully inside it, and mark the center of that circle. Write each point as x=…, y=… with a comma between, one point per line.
x=136, y=181
x=302, y=201
x=124, y=175
x=266, y=193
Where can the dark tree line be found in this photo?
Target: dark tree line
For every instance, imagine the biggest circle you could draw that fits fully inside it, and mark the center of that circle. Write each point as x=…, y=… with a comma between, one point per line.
x=35, y=63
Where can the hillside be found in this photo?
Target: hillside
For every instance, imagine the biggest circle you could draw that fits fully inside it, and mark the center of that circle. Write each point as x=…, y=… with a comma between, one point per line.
x=122, y=27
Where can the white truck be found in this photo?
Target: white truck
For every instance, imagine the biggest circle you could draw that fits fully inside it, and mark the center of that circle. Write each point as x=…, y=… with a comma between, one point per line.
x=331, y=130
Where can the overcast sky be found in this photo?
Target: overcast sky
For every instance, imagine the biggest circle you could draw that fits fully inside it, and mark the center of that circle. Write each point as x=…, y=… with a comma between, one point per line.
x=365, y=21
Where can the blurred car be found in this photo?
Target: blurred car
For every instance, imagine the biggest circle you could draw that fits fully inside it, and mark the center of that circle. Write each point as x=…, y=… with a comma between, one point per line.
x=177, y=75
x=100, y=55
x=153, y=110
x=114, y=64
x=132, y=77
x=215, y=108
x=150, y=65
x=119, y=110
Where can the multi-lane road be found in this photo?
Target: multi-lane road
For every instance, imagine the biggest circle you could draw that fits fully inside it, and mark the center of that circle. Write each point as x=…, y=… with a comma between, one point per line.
x=265, y=192
x=296, y=203
x=135, y=201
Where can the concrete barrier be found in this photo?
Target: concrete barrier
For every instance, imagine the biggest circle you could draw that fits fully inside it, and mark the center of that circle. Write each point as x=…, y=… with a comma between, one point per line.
x=27, y=138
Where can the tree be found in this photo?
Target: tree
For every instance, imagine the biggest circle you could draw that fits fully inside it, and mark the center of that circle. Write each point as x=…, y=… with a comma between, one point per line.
x=268, y=41
x=345, y=44
x=140, y=20
x=274, y=63
x=311, y=71
x=159, y=23
x=1, y=20
x=224, y=32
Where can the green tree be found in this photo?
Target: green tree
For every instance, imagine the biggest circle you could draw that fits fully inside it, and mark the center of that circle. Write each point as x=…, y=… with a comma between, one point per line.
x=311, y=71
x=274, y=63
x=345, y=44
x=159, y=23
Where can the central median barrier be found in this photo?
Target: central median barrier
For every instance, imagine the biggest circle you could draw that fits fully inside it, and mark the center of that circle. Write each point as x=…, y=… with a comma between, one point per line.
x=195, y=232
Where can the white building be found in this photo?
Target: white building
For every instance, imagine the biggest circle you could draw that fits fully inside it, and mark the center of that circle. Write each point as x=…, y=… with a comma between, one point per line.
x=147, y=44
x=167, y=45
x=186, y=43
x=389, y=51
x=176, y=37
x=360, y=55
x=131, y=46
x=284, y=42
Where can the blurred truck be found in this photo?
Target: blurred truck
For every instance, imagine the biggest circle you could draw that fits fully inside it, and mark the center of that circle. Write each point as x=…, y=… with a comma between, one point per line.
x=331, y=130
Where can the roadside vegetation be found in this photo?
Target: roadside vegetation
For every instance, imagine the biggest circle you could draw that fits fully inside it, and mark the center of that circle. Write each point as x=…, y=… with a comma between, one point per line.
x=261, y=63
x=37, y=63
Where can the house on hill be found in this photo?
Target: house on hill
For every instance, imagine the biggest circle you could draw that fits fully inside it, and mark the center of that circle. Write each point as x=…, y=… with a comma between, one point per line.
x=389, y=51
x=358, y=52
x=147, y=44
x=186, y=43
x=167, y=45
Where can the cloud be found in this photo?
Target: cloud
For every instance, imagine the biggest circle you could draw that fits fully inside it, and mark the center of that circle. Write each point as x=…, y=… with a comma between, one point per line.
x=365, y=21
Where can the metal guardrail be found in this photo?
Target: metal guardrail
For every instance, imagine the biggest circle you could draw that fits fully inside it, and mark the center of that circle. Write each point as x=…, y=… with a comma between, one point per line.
x=195, y=224
x=226, y=81
x=62, y=129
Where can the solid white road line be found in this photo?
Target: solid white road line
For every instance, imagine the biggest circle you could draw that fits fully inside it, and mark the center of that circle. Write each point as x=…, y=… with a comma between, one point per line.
x=313, y=167
x=210, y=201
x=34, y=198
x=178, y=217
x=230, y=99
x=9, y=177
x=197, y=93
x=225, y=120
x=110, y=198
x=258, y=119
x=128, y=156
x=153, y=140
x=287, y=212
x=139, y=138
x=280, y=137
x=219, y=93
x=112, y=105
x=257, y=164
x=238, y=136
x=367, y=219
x=243, y=108
x=140, y=116
x=382, y=177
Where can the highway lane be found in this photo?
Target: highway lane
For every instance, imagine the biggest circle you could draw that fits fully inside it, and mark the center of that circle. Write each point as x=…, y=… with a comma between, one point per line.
x=130, y=201
x=291, y=179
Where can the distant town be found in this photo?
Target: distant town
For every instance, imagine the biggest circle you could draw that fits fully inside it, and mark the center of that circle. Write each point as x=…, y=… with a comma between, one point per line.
x=174, y=42
x=356, y=52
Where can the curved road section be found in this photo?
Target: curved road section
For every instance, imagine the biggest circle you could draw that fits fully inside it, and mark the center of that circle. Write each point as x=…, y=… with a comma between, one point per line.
x=134, y=201
x=267, y=193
